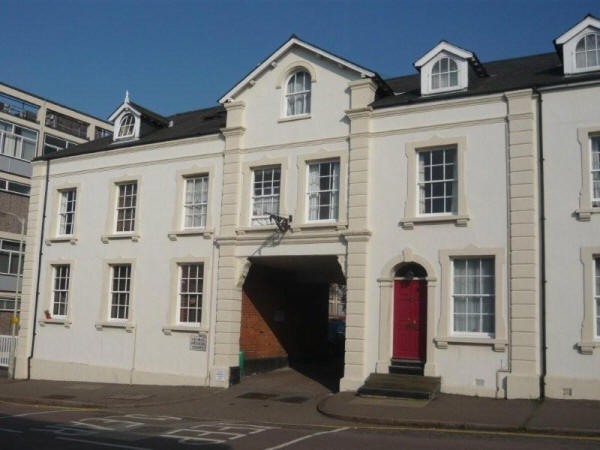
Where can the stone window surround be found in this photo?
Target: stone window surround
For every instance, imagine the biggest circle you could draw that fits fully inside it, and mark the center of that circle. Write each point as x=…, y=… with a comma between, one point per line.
x=445, y=337
x=54, y=218
x=178, y=219
x=246, y=199
x=48, y=303
x=589, y=341
x=105, y=300
x=386, y=307
x=585, y=210
x=172, y=324
x=110, y=227
x=281, y=85
x=411, y=213
x=303, y=160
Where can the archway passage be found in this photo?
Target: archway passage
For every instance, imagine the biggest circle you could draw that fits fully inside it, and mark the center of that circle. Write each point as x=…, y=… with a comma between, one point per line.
x=410, y=319
x=292, y=314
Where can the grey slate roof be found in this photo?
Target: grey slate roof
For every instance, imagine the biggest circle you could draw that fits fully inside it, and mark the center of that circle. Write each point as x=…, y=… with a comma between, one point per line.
x=535, y=71
x=188, y=124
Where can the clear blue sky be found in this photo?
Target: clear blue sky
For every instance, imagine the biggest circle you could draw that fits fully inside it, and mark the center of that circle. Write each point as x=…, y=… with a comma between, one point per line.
x=176, y=55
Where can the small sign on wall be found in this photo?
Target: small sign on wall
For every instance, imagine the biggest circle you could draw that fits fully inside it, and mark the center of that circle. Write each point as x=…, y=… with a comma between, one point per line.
x=220, y=375
x=198, y=342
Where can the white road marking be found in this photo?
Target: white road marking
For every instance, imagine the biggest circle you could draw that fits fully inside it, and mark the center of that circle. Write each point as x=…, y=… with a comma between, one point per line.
x=10, y=430
x=105, y=444
x=287, y=444
x=39, y=412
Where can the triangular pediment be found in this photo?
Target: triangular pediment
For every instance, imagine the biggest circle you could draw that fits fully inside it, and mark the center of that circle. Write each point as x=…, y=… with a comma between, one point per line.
x=292, y=42
x=588, y=21
x=443, y=46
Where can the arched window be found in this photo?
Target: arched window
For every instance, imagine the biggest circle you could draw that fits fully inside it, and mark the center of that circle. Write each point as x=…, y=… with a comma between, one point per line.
x=297, y=94
x=127, y=125
x=444, y=74
x=587, y=51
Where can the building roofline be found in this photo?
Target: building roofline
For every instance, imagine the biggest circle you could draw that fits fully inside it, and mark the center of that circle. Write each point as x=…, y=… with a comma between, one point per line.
x=291, y=41
x=53, y=102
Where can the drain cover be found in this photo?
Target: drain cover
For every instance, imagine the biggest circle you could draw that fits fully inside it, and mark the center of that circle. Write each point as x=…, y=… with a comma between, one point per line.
x=293, y=399
x=59, y=397
x=129, y=397
x=257, y=395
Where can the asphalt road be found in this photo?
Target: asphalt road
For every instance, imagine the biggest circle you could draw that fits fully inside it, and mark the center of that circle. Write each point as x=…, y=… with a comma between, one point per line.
x=30, y=427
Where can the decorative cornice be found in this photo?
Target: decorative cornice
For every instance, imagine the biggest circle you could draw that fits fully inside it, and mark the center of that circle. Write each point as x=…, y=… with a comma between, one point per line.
x=233, y=131
x=359, y=113
x=434, y=106
x=232, y=106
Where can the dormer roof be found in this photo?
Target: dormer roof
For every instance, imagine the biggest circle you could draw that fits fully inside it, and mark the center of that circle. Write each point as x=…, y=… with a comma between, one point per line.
x=445, y=46
x=143, y=112
x=587, y=21
x=291, y=42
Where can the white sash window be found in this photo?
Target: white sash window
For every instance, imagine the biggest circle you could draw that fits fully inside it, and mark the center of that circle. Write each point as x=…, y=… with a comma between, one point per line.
x=323, y=190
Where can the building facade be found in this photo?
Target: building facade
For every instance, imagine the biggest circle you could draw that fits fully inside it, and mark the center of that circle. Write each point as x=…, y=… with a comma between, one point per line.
x=30, y=126
x=457, y=206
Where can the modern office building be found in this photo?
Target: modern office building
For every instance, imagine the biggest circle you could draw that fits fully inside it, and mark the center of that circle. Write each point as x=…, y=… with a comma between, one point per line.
x=30, y=126
x=457, y=205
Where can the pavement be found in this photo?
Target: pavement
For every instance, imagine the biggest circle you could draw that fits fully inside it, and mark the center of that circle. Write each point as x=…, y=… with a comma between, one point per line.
x=299, y=397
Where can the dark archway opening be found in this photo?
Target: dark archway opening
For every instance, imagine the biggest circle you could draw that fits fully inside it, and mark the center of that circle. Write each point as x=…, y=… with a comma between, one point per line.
x=293, y=313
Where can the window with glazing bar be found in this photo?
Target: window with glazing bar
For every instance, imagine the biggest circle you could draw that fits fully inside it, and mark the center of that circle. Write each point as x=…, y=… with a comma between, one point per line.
x=17, y=142
x=120, y=291
x=126, y=205
x=266, y=186
x=66, y=214
x=127, y=126
x=60, y=290
x=437, y=181
x=191, y=285
x=587, y=51
x=444, y=74
x=195, y=206
x=473, y=295
x=297, y=96
x=595, y=169
x=9, y=257
x=323, y=190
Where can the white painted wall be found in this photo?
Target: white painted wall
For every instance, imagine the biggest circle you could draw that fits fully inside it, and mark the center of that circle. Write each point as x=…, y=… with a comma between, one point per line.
x=563, y=113
x=264, y=103
x=486, y=189
x=153, y=356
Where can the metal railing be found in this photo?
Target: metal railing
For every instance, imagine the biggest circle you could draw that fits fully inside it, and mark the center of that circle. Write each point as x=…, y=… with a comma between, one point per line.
x=17, y=146
x=66, y=124
x=7, y=347
x=18, y=108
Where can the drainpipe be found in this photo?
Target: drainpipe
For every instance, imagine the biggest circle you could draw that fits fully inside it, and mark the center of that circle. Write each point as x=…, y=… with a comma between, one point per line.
x=508, y=368
x=542, y=244
x=40, y=254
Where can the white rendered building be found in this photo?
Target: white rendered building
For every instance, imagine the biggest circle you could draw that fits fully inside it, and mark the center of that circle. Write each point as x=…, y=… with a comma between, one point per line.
x=458, y=206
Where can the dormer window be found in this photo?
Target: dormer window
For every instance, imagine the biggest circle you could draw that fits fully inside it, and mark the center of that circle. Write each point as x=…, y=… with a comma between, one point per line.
x=127, y=126
x=297, y=94
x=579, y=47
x=444, y=74
x=446, y=68
x=587, y=52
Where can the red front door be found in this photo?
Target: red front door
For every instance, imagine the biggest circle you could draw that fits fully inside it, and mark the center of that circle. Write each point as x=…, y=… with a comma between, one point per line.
x=410, y=324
